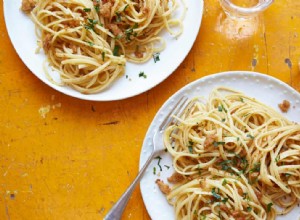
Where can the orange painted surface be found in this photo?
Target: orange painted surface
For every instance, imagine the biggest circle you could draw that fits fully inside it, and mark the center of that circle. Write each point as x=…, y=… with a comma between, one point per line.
x=75, y=162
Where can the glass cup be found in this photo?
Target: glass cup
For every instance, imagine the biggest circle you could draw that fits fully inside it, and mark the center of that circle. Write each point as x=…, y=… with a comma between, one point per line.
x=244, y=8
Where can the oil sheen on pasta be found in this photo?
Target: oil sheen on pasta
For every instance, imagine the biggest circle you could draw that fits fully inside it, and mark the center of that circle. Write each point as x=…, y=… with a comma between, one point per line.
x=239, y=159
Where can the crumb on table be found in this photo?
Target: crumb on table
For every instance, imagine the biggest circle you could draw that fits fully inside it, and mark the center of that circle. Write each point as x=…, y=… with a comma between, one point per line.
x=284, y=106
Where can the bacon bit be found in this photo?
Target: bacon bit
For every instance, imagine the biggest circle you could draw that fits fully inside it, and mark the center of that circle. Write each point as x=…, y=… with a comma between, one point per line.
x=47, y=43
x=219, y=160
x=115, y=30
x=240, y=191
x=176, y=178
x=254, y=175
x=258, y=195
x=105, y=1
x=164, y=188
x=250, y=143
x=71, y=24
x=27, y=6
x=224, y=208
x=243, y=153
x=209, y=140
x=138, y=54
x=74, y=48
x=105, y=10
x=145, y=10
x=284, y=106
x=237, y=215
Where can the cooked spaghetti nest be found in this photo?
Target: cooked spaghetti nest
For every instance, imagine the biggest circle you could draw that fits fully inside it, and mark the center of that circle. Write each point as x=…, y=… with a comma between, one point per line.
x=89, y=41
x=237, y=158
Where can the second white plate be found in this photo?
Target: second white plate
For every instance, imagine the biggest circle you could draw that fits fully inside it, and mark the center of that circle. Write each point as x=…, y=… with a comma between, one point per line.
x=264, y=88
x=21, y=31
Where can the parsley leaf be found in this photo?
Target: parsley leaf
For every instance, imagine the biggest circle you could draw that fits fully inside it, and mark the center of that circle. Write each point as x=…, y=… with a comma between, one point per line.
x=142, y=74
x=156, y=57
x=116, y=50
x=191, y=143
x=87, y=9
x=215, y=195
x=269, y=207
x=158, y=162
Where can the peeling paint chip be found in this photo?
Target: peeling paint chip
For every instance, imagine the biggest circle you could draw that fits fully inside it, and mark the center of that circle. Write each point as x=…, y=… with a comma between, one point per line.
x=44, y=110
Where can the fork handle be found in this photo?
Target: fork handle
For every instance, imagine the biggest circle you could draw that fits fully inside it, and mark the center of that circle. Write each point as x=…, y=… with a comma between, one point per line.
x=117, y=210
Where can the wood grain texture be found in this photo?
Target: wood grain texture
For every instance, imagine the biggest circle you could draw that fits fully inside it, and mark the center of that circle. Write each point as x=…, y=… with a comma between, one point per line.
x=77, y=160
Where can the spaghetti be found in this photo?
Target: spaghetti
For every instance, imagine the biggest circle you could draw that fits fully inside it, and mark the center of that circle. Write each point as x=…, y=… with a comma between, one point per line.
x=239, y=159
x=89, y=41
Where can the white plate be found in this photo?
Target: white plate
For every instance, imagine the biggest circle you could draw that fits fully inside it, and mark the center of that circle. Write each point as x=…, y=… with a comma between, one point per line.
x=21, y=31
x=264, y=88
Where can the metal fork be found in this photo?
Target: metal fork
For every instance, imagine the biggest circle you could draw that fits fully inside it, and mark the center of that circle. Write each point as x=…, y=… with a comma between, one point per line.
x=117, y=210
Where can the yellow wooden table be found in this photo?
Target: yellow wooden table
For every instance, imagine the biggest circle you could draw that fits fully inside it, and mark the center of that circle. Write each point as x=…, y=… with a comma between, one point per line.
x=75, y=161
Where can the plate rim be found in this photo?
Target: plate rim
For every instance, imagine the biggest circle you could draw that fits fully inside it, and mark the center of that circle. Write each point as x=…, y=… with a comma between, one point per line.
x=75, y=94
x=186, y=87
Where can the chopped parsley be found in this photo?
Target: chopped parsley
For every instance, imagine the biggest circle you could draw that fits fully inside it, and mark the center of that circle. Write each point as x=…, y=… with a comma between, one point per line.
x=116, y=50
x=156, y=57
x=215, y=194
x=256, y=168
x=217, y=143
x=225, y=165
x=129, y=32
x=90, y=43
x=221, y=108
x=249, y=209
x=91, y=24
x=246, y=196
x=224, y=200
x=168, y=167
x=103, y=56
x=191, y=143
x=118, y=17
x=269, y=206
x=250, y=136
x=126, y=6
x=287, y=174
x=87, y=9
x=202, y=217
x=224, y=182
x=142, y=74
x=97, y=6
x=154, y=170
x=158, y=162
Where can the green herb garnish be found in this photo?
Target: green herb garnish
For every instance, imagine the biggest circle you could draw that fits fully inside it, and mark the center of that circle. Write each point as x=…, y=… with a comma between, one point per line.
x=190, y=147
x=256, y=168
x=87, y=9
x=269, y=207
x=118, y=17
x=116, y=50
x=158, y=162
x=103, y=56
x=215, y=195
x=142, y=74
x=250, y=136
x=217, y=143
x=156, y=57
